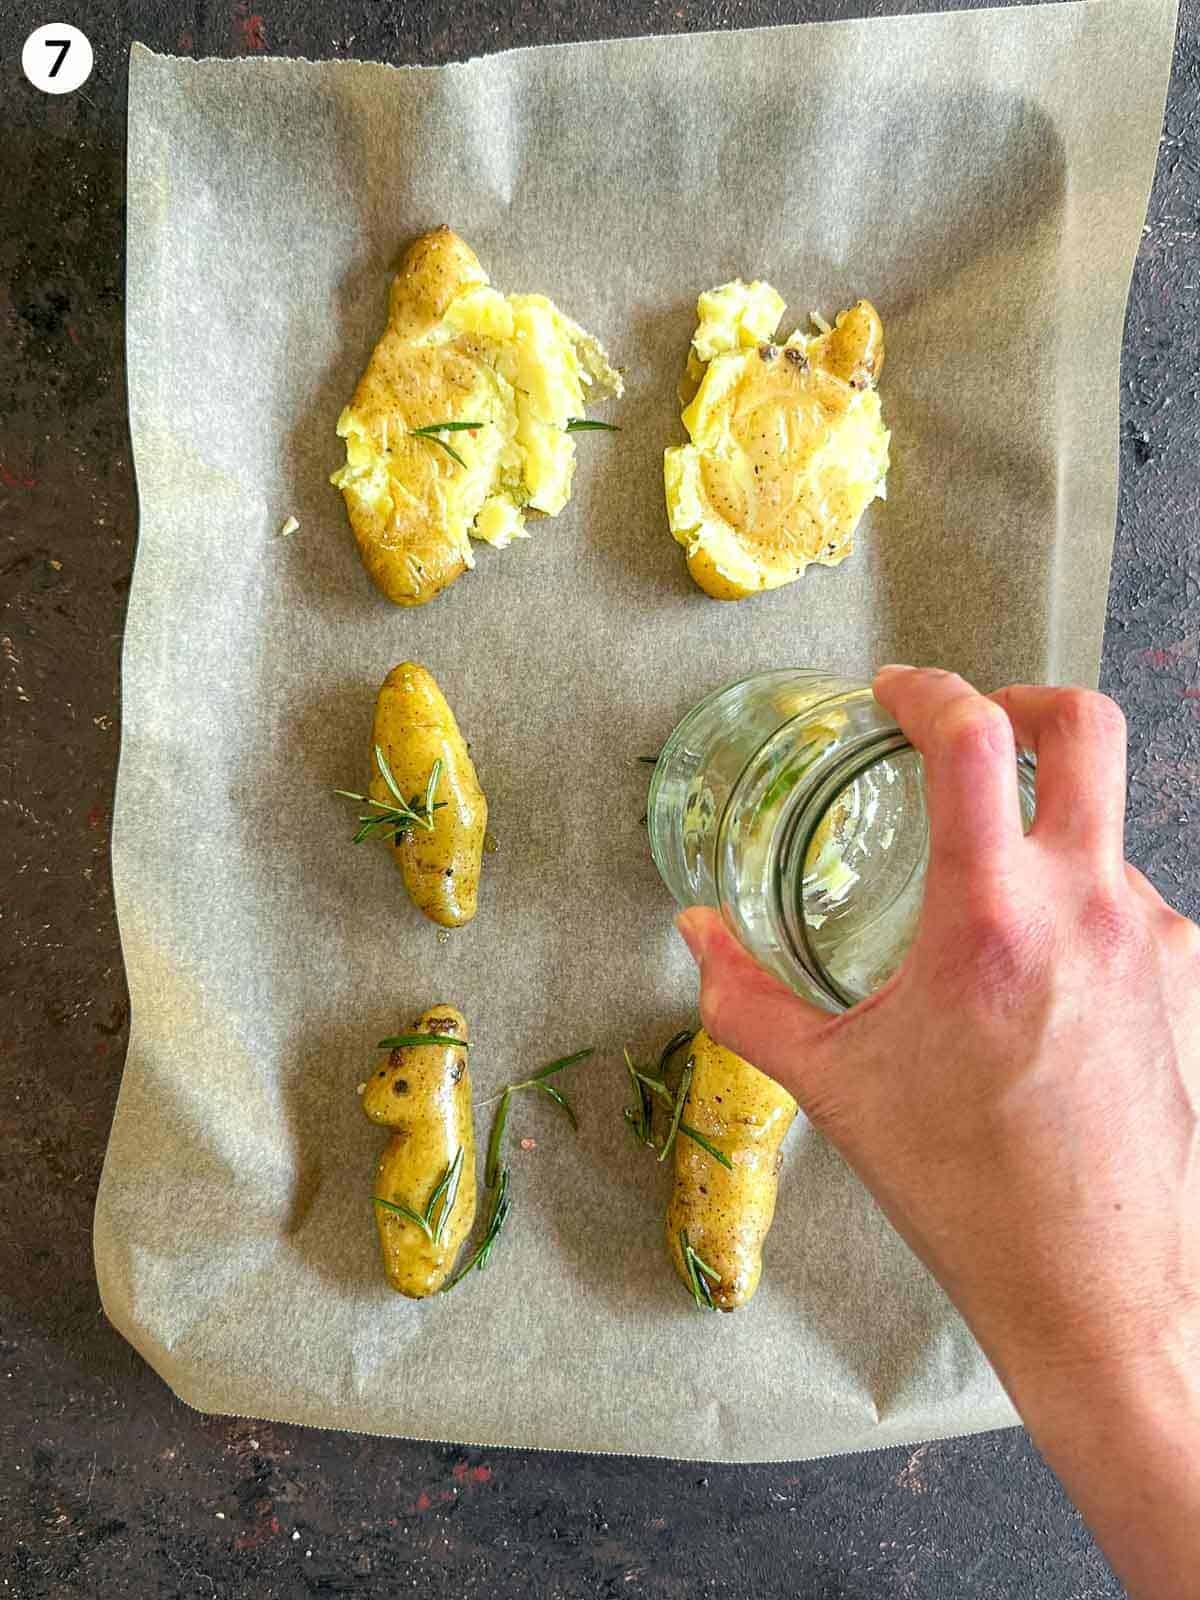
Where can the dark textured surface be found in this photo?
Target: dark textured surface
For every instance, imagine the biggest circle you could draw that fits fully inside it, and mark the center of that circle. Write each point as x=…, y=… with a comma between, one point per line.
x=107, y=1484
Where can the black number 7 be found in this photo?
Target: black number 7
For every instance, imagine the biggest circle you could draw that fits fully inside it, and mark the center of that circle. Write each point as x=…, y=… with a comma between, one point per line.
x=62, y=46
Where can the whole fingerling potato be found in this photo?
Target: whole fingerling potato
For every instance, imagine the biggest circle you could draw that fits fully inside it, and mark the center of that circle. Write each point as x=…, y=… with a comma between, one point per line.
x=727, y=1213
x=423, y=1094
x=414, y=727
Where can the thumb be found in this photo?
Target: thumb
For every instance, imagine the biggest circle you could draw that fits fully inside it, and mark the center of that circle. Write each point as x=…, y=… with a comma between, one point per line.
x=749, y=1011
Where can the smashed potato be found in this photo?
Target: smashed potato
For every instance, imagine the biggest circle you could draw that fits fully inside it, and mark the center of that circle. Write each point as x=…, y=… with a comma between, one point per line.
x=788, y=447
x=459, y=426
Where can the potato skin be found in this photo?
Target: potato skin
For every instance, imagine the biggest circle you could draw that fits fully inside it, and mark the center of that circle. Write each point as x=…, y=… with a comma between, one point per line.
x=727, y=1214
x=432, y=272
x=424, y=1095
x=853, y=348
x=404, y=544
x=414, y=727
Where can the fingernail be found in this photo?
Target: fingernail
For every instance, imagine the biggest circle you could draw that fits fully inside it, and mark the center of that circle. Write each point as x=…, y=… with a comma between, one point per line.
x=895, y=666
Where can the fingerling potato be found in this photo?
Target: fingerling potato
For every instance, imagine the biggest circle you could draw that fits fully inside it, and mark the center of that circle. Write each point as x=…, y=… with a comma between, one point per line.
x=725, y=1213
x=423, y=1094
x=414, y=727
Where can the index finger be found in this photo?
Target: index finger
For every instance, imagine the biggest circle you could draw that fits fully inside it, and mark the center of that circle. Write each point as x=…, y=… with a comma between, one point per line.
x=970, y=755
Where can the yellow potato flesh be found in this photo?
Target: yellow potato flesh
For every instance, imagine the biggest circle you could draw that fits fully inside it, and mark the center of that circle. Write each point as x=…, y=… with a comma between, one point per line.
x=787, y=448
x=727, y=1213
x=424, y=1095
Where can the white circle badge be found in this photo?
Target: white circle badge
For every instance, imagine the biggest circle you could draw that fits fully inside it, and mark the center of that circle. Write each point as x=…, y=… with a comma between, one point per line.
x=57, y=58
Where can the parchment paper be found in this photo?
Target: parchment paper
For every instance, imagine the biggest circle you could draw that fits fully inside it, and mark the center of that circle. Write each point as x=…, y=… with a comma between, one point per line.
x=982, y=177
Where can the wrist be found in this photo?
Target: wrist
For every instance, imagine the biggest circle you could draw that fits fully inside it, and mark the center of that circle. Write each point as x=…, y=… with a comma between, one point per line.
x=1153, y=1391
x=1085, y=1360
x=1123, y=1435
x=1135, y=1399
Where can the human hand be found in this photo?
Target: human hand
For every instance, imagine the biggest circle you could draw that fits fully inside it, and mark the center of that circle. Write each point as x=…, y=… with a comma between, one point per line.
x=1022, y=1096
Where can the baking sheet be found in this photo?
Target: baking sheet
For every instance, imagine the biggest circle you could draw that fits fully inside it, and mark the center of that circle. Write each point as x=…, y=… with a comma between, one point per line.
x=983, y=178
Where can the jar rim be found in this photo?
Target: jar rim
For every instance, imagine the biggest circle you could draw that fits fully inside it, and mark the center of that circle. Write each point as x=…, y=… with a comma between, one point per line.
x=797, y=831
x=860, y=753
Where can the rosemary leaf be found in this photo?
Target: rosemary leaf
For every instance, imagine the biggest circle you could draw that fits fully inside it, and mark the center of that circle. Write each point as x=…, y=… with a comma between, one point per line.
x=655, y=1086
x=360, y=834
x=698, y=1271
x=447, y=1193
x=717, y=1155
x=445, y=427
x=588, y=425
x=435, y=773
x=496, y=1140
x=648, y=761
x=400, y=1041
x=675, y=1042
x=407, y=1214
x=497, y=1217
x=534, y=1078
x=385, y=773
x=556, y=1066
x=446, y=446
x=685, y=1084
x=559, y=1099
x=368, y=825
x=638, y=1116
x=433, y=432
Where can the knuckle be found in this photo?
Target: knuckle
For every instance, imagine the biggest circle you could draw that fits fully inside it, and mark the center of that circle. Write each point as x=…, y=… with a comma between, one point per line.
x=1085, y=713
x=1111, y=926
x=1002, y=949
x=1183, y=935
x=973, y=727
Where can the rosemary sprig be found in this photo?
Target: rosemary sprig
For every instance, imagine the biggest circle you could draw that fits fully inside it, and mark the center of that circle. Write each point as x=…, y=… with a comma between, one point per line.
x=496, y=1176
x=645, y=1084
x=588, y=425
x=497, y=1217
x=400, y=1041
x=433, y=432
x=491, y=1170
x=699, y=1272
x=639, y=1115
x=404, y=815
x=685, y=1084
x=536, y=1080
x=445, y=1193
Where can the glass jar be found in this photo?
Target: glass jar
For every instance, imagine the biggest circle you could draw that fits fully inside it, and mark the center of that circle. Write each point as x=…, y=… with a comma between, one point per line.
x=793, y=803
